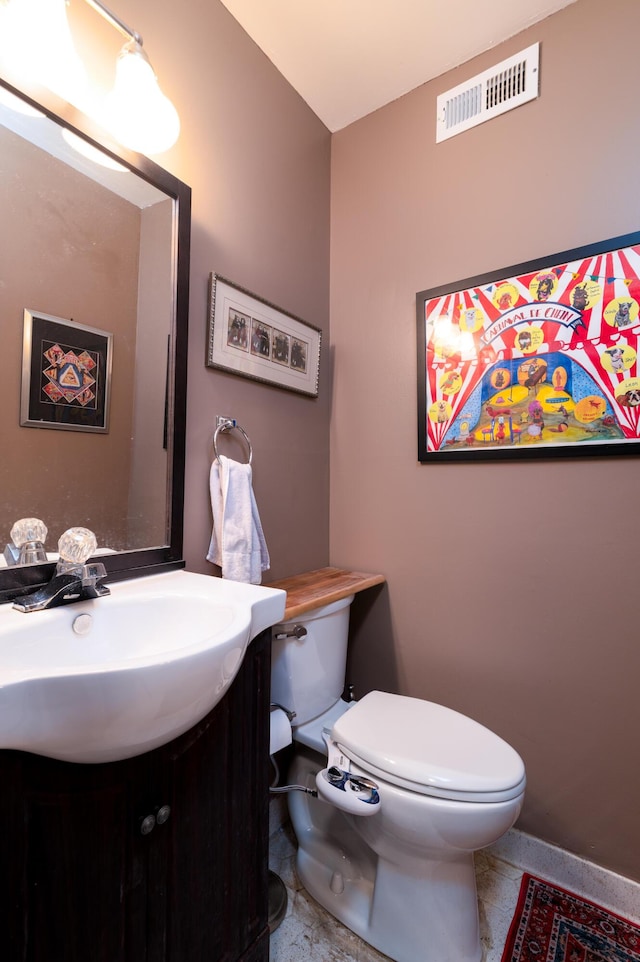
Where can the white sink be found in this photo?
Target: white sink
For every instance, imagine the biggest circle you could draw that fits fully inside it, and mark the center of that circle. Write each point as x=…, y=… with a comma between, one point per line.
x=113, y=677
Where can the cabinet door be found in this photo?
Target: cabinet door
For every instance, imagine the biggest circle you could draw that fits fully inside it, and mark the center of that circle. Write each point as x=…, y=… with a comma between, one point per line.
x=218, y=888
x=69, y=866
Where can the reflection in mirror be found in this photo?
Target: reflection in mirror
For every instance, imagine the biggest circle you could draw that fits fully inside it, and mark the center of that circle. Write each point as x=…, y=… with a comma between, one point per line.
x=101, y=246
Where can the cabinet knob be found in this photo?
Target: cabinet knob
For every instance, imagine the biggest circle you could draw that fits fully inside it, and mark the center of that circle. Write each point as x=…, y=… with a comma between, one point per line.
x=162, y=814
x=148, y=824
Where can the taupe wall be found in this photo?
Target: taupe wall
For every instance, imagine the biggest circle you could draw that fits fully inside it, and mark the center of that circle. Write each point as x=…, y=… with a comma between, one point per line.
x=512, y=588
x=258, y=162
x=53, y=261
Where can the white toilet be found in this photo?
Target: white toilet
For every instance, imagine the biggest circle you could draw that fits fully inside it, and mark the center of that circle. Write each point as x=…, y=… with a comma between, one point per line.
x=407, y=791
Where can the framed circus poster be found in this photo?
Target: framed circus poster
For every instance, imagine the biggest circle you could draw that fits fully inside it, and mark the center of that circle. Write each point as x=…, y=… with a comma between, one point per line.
x=535, y=360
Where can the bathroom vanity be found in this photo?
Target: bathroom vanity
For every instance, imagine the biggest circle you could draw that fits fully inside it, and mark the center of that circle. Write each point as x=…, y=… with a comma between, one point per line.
x=157, y=858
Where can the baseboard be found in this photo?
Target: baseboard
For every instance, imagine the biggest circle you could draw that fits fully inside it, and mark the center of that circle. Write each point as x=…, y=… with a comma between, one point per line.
x=530, y=854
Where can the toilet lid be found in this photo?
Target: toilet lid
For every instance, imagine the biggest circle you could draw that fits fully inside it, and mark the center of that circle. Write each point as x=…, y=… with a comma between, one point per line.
x=429, y=749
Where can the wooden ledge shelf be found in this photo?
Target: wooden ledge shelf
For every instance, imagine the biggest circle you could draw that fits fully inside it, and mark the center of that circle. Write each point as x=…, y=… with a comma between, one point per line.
x=314, y=589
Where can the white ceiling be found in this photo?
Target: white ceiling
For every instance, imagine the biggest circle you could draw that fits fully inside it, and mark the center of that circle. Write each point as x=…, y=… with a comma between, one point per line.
x=346, y=58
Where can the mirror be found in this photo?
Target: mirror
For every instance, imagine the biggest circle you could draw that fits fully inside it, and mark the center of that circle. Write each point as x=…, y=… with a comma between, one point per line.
x=95, y=258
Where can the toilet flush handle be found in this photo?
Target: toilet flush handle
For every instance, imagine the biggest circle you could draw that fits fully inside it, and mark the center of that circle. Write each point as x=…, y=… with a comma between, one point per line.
x=289, y=631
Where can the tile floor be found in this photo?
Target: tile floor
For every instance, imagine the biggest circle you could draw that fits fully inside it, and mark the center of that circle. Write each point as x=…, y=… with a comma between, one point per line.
x=310, y=934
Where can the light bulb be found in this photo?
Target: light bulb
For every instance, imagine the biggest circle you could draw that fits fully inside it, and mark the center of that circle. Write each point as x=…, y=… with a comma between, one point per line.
x=37, y=47
x=136, y=111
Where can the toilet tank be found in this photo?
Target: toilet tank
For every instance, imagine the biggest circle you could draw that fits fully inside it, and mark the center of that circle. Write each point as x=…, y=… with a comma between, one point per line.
x=308, y=673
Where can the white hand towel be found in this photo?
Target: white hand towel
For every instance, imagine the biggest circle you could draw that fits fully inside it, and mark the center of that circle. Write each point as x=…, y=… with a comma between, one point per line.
x=238, y=544
x=214, y=554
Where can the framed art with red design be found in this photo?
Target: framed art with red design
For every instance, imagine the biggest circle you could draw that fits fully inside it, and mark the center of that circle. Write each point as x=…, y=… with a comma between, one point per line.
x=66, y=374
x=535, y=360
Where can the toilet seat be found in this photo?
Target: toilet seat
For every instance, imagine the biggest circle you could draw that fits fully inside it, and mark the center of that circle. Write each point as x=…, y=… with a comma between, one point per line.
x=429, y=749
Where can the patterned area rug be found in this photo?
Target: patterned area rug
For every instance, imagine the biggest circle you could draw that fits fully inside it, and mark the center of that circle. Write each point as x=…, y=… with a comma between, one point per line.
x=551, y=925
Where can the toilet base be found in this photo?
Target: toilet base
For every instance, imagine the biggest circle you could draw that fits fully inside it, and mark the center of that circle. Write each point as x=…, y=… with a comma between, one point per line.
x=429, y=915
x=415, y=934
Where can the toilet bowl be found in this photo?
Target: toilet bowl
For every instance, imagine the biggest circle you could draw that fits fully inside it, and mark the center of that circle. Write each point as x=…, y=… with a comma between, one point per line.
x=407, y=791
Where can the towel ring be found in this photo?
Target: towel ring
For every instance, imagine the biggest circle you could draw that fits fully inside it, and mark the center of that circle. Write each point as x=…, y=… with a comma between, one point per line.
x=228, y=424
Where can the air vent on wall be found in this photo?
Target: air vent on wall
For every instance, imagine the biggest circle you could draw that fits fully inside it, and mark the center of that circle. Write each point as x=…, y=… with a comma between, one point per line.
x=501, y=88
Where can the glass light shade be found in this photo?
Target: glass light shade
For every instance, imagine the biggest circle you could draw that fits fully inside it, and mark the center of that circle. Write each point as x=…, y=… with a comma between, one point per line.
x=36, y=46
x=136, y=111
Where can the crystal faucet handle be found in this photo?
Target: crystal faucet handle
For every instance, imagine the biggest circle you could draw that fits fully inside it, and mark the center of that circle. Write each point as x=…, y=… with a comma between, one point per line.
x=76, y=545
x=27, y=530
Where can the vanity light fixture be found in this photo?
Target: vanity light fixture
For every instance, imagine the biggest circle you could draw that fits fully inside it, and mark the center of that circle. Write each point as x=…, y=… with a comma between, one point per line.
x=36, y=44
x=136, y=111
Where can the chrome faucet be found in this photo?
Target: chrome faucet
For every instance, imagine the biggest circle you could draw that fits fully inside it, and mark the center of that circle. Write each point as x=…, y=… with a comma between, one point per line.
x=73, y=579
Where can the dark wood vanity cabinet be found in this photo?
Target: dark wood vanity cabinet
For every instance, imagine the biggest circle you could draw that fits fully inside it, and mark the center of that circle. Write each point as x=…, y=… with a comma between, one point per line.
x=81, y=882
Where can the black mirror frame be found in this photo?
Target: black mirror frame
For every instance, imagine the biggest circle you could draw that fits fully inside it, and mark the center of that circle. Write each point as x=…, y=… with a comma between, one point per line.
x=146, y=561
